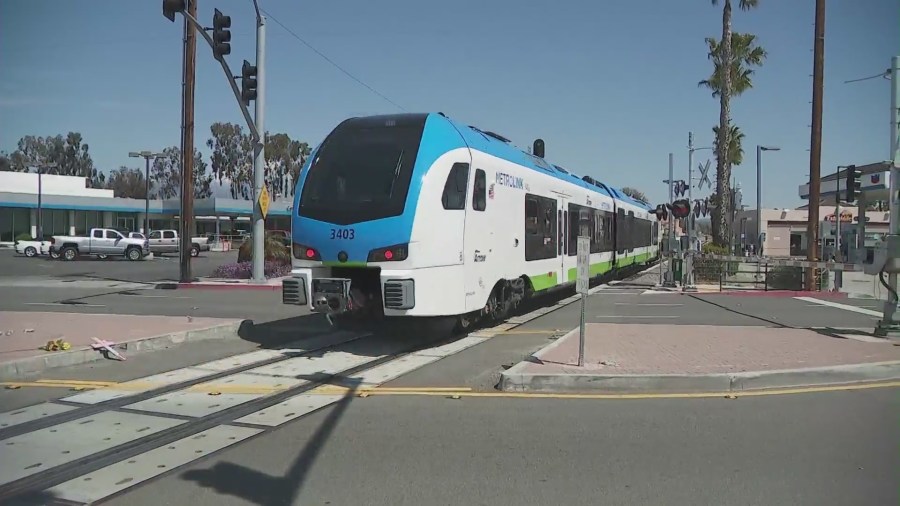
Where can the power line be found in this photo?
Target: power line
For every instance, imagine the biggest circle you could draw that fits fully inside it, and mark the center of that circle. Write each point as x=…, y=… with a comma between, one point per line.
x=884, y=74
x=332, y=62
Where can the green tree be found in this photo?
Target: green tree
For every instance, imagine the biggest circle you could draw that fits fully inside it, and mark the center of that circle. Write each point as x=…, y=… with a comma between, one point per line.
x=165, y=175
x=128, y=183
x=232, y=158
x=284, y=158
x=634, y=193
x=724, y=59
x=70, y=154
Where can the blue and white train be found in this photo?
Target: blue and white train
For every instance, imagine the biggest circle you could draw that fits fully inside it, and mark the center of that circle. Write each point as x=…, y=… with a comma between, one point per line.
x=420, y=215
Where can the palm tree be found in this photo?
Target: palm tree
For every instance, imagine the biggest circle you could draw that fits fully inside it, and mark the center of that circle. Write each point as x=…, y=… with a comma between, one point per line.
x=746, y=55
x=735, y=145
x=721, y=234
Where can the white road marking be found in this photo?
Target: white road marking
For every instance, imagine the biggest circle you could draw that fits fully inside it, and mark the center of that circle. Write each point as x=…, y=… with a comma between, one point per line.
x=838, y=305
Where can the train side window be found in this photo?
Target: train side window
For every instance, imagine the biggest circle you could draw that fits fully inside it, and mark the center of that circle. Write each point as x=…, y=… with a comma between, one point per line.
x=541, y=228
x=454, y=196
x=620, y=231
x=630, y=240
x=560, y=226
x=479, y=191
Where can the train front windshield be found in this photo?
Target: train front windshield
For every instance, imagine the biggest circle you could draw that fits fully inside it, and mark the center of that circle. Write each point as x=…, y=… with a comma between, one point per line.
x=362, y=171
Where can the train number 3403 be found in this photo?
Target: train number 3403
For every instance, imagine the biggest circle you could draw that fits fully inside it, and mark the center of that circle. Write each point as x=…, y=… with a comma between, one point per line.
x=343, y=233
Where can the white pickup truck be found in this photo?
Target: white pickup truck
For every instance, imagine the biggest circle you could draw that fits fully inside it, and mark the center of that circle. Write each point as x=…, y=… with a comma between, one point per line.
x=100, y=242
x=166, y=241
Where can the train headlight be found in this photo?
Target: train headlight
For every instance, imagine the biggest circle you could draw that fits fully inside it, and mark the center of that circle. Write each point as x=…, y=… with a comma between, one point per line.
x=302, y=252
x=395, y=253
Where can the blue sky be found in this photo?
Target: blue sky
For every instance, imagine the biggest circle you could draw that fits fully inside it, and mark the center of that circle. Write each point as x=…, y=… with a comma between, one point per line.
x=611, y=85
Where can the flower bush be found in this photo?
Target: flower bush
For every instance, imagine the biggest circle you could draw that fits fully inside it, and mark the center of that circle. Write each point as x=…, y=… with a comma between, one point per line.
x=244, y=270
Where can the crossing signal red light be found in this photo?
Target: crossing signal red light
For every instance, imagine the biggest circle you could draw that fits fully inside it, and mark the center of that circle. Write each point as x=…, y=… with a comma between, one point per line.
x=681, y=208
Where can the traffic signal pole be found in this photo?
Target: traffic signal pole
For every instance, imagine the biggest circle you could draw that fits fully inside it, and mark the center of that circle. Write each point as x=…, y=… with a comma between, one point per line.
x=259, y=154
x=254, y=77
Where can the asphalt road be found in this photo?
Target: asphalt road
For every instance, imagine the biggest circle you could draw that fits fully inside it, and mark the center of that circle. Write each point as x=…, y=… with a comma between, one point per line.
x=164, y=268
x=827, y=448
x=814, y=449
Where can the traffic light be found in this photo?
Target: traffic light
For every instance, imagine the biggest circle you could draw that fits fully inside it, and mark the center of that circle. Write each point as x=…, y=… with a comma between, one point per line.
x=681, y=208
x=248, y=83
x=221, y=35
x=853, y=183
x=170, y=7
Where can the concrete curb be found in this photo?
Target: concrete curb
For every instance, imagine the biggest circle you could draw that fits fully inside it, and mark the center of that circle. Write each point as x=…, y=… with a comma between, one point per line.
x=514, y=380
x=18, y=369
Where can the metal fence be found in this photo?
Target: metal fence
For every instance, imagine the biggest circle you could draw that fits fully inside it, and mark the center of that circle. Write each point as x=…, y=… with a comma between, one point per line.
x=759, y=273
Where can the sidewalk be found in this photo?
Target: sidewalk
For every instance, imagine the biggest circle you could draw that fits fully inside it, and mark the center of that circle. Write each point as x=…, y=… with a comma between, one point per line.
x=703, y=358
x=23, y=334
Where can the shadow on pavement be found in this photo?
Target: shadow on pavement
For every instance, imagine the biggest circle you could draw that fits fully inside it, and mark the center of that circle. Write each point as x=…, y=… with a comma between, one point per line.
x=264, y=489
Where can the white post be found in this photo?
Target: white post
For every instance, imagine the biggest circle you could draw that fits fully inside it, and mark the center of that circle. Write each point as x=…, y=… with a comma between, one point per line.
x=259, y=160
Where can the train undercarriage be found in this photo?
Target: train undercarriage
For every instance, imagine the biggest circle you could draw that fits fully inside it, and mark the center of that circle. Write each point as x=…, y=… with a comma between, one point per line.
x=356, y=294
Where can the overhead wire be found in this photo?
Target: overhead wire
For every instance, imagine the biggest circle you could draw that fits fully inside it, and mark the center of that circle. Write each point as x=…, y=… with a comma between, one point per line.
x=329, y=60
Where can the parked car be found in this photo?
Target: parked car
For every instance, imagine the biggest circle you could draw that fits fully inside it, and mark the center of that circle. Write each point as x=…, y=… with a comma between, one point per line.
x=126, y=233
x=32, y=248
x=100, y=241
x=166, y=241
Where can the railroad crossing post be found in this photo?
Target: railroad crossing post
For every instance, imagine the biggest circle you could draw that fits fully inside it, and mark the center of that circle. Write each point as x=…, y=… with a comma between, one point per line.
x=669, y=280
x=888, y=325
x=582, y=286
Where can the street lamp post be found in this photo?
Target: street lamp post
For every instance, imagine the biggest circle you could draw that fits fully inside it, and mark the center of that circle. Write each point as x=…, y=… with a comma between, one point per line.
x=40, y=212
x=759, y=150
x=146, y=155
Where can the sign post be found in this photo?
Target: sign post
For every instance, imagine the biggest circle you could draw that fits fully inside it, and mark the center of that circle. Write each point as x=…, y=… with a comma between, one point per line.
x=582, y=285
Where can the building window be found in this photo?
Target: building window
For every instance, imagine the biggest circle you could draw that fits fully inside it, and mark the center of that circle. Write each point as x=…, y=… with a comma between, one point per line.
x=14, y=221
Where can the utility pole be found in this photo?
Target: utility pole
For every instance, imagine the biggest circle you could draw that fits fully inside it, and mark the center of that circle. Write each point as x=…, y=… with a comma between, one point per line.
x=40, y=210
x=815, y=145
x=187, y=149
x=259, y=151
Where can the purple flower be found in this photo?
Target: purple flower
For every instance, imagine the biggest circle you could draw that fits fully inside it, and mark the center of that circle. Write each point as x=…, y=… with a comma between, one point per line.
x=244, y=270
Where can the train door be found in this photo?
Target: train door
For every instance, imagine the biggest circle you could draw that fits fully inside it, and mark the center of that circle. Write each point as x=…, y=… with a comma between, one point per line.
x=562, y=245
x=478, y=242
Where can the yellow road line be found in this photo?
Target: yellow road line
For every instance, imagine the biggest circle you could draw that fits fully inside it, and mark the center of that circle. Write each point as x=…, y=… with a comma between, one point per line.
x=699, y=395
x=78, y=382
x=217, y=389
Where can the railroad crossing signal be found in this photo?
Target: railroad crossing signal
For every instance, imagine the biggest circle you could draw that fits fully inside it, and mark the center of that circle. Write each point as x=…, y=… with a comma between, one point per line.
x=854, y=185
x=661, y=212
x=264, y=201
x=704, y=176
x=680, y=208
